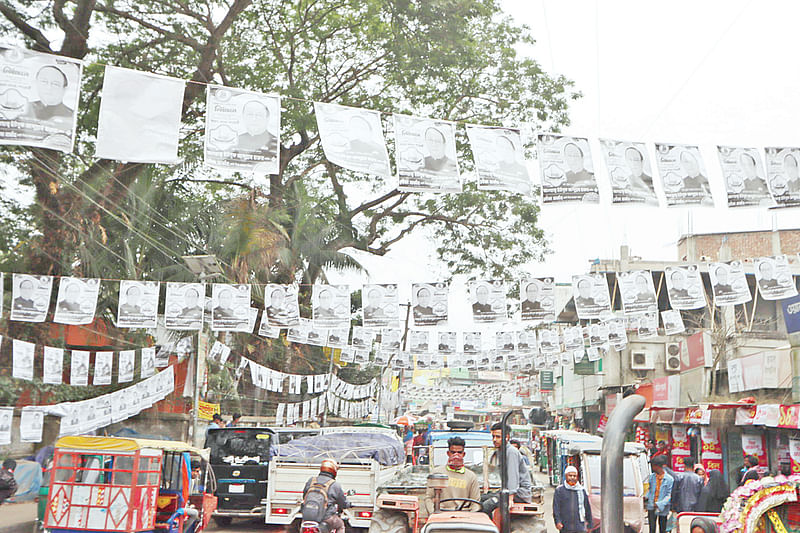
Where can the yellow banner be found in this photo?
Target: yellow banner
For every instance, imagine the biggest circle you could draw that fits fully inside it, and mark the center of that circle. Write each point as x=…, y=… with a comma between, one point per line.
x=206, y=410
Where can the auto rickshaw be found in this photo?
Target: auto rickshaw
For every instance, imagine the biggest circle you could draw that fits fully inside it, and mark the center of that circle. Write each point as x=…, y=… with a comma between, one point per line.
x=129, y=485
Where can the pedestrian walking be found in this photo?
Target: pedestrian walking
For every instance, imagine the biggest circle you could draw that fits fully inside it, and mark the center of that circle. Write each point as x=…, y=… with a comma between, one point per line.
x=714, y=493
x=571, y=510
x=659, y=495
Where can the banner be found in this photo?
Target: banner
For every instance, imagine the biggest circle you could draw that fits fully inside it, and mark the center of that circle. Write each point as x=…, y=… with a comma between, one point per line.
x=630, y=172
x=425, y=151
x=206, y=411
x=683, y=175
x=537, y=300
x=381, y=305
x=774, y=278
x=783, y=175
x=729, y=283
x=488, y=300
x=230, y=307
x=638, y=292
x=39, y=95
x=140, y=117
x=711, y=454
x=755, y=444
x=183, y=306
x=744, y=177
x=138, y=304
x=77, y=300
x=353, y=138
x=566, y=168
x=429, y=303
x=499, y=159
x=590, y=292
x=330, y=305
x=680, y=447
x=794, y=455
x=685, y=287
x=30, y=297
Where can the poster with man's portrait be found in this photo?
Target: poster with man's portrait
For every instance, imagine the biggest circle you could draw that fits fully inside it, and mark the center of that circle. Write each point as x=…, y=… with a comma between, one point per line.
x=148, y=367
x=419, y=341
x=537, y=300
x=638, y=291
x=685, y=287
x=53, y=366
x=282, y=307
x=590, y=294
x=504, y=341
x=230, y=307
x=566, y=169
x=362, y=338
x=426, y=155
x=391, y=339
x=127, y=360
x=683, y=175
x=330, y=305
x=242, y=130
x=22, y=354
x=79, y=368
x=446, y=343
x=30, y=297
x=381, y=305
x=729, y=283
x=630, y=173
x=488, y=300
x=617, y=333
x=673, y=322
x=549, y=342
x=744, y=176
x=573, y=338
x=429, y=303
x=783, y=175
x=352, y=138
x=472, y=342
x=103, y=362
x=526, y=342
x=499, y=159
x=138, y=304
x=299, y=332
x=31, y=423
x=774, y=278
x=77, y=300
x=6, y=420
x=183, y=307
x=38, y=98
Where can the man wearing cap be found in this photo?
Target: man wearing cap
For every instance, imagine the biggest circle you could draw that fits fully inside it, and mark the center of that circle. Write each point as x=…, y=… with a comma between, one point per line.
x=462, y=483
x=571, y=510
x=659, y=495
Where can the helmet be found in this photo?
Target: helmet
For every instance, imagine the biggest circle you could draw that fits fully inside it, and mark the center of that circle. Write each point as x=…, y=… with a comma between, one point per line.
x=329, y=466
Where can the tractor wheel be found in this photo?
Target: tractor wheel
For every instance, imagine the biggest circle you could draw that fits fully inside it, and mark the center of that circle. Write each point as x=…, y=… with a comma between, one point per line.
x=223, y=521
x=384, y=521
x=528, y=524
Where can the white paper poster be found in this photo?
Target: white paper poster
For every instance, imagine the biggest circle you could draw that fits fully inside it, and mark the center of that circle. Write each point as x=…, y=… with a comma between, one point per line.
x=183, y=308
x=630, y=172
x=6, y=418
x=127, y=360
x=53, y=365
x=537, y=301
x=472, y=342
x=352, y=138
x=363, y=337
x=573, y=338
x=265, y=330
x=79, y=368
x=338, y=337
x=77, y=300
x=617, y=335
x=22, y=354
x=30, y=297
x=783, y=176
x=744, y=177
x=597, y=334
x=549, y=343
x=283, y=309
x=429, y=303
x=148, y=362
x=103, y=362
x=683, y=175
x=381, y=305
x=735, y=376
x=647, y=325
x=774, y=278
x=590, y=293
x=390, y=340
x=446, y=342
x=140, y=117
x=673, y=322
x=242, y=130
x=138, y=304
x=38, y=98
x=426, y=155
x=566, y=169
x=31, y=423
x=299, y=333
x=499, y=159
x=488, y=300
x=504, y=341
x=685, y=287
x=330, y=306
x=230, y=307
x=638, y=291
x=729, y=283
x=419, y=341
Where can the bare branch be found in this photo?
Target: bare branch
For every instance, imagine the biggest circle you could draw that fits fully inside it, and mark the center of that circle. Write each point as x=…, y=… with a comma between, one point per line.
x=41, y=42
x=181, y=38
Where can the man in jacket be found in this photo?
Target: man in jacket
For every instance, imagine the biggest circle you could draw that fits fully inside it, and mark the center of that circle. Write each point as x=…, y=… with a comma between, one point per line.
x=336, y=499
x=571, y=510
x=659, y=495
x=8, y=485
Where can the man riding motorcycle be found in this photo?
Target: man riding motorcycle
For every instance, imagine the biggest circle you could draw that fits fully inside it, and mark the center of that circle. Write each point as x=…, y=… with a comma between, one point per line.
x=323, y=498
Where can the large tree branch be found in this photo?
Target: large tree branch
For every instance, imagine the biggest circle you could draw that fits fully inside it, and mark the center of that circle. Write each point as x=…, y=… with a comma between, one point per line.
x=179, y=37
x=374, y=203
x=42, y=44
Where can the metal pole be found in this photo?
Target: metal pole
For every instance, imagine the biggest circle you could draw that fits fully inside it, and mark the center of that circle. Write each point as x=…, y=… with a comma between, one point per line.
x=330, y=382
x=200, y=367
x=505, y=514
x=611, y=463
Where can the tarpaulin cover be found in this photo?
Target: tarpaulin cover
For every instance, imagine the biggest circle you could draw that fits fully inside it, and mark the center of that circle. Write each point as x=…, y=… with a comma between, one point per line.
x=344, y=447
x=28, y=476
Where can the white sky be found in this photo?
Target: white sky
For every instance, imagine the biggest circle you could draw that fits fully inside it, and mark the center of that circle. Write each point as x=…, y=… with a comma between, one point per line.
x=706, y=73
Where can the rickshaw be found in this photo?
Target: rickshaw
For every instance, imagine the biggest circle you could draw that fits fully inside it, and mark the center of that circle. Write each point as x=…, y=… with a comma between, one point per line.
x=130, y=485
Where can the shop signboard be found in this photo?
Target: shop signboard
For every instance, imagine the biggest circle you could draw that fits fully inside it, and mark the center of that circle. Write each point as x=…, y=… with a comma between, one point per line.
x=680, y=447
x=711, y=453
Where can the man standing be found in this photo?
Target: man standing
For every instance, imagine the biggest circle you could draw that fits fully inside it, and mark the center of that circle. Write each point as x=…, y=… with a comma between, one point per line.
x=461, y=482
x=518, y=477
x=8, y=485
x=234, y=420
x=751, y=470
x=323, y=498
x=659, y=495
x=571, y=510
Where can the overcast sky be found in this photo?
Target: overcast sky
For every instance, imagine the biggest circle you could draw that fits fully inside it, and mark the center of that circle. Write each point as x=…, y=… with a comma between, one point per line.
x=706, y=73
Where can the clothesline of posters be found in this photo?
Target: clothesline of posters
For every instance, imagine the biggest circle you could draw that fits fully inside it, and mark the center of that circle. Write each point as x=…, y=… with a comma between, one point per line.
x=290, y=413
x=89, y=415
x=140, y=119
x=24, y=355
x=229, y=308
x=483, y=391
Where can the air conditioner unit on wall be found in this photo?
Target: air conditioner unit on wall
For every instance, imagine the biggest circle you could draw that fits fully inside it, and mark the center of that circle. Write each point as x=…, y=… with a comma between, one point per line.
x=673, y=356
x=642, y=360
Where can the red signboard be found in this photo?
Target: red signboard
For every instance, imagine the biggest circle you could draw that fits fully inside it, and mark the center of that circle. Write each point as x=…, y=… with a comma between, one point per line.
x=693, y=352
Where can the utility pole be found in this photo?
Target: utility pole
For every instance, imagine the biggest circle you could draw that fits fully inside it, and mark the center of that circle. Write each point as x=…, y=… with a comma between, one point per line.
x=200, y=370
x=403, y=343
x=327, y=392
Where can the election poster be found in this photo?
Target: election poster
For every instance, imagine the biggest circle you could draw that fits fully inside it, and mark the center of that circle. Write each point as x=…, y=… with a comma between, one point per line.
x=426, y=155
x=447, y=342
x=338, y=337
x=419, y=341
x=744, y=176
x=22, y=354
x=774, y=278
x=429, y=303
x=617, y=334
x=597, y=334
x=31, y=423
x=683, y=175
x=299, y=332
x=390, y=340
x=6, y=418
x=230, y=307
x=363, y=338
x=330, y=305
x=138, y=304
x=783, y=175
x=549, y=342
x=38, y=98
x=242, y=131
x=526, y=342
x=537, y=300
x=352, y=138
x=590, y=293
x=566, y=169
x=573, y=338
x=499, y=159
x=637, y=290
x=685, y=287
x=77, y=300
x=381, y=306
x=283, y=309
x=265, y=330
x=140, y=117
x=183, y=307
x=673, y=322
x=79, y=368
x=148, y=367
x=504, y=341
x=472, y=342
x=53, y=366
x=647, y=325
x=488, y=300
x=30, y=297
x=630, y=173
x=729, y=283
x=126, y=364
x=103, y=361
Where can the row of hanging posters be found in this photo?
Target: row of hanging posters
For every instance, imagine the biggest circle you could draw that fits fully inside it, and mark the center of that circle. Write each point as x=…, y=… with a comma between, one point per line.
x=140, y=119
x=229, y=307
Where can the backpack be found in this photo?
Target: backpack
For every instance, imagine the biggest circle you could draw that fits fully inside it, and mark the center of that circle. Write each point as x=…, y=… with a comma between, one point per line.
x=315, y=502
